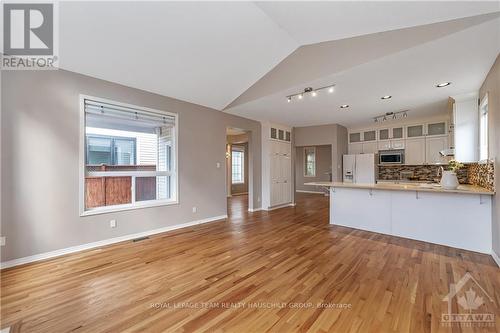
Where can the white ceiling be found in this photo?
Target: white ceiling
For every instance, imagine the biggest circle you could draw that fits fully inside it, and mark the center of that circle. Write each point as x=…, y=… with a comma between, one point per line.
x=463, y=58
x=248, y=56
x=206, y=53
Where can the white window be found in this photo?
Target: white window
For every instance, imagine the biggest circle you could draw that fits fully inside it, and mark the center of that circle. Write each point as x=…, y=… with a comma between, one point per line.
x=129, y=157
x=483, y=129
x=238, y=165
x=310, y=162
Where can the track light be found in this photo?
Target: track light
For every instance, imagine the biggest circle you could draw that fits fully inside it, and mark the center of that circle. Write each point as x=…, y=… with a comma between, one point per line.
x=310, y=90
x=391, y=115
x=343, y=106
x=386, y=97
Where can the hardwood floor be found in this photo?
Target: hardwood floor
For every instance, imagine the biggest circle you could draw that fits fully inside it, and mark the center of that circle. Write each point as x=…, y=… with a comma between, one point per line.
x=254, y=272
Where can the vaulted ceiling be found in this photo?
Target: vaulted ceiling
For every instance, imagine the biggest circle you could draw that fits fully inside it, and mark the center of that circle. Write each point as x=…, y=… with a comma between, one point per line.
x=244, y=57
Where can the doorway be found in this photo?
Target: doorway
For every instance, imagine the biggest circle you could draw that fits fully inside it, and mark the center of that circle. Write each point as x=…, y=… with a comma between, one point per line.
x=237, y=170
x=313, y=164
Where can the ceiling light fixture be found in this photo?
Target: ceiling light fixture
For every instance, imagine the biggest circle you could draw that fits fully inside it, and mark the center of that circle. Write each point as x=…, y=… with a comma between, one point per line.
x=343, y=106
x=386, y=97
x=443, y=84
x=310, y=90
x=392, y=115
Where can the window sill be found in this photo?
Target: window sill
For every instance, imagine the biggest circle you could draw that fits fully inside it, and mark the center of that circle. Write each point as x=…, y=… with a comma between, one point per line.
x=119, y=208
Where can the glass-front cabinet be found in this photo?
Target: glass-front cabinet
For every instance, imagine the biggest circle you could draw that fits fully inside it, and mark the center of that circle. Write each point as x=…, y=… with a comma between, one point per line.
x=383, y=134
x=437, y=128
x=397, y=132
x=415, y=131
x=354, y=137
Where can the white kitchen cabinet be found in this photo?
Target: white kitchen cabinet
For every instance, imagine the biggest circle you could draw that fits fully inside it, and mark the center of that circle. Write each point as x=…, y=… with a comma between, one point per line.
x=415, y=151
x=436, y=128
x=384, y=145
x=415, y=131
x=281, y=172
x=383, y=134
x=370, y=147
x=397, y=144
x=355, y=148
x=433, y=145
x=397, y=133
x=355, y=137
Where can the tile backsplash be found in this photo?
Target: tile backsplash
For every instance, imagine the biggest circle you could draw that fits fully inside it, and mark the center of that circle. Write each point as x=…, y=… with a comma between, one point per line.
x=482, y=174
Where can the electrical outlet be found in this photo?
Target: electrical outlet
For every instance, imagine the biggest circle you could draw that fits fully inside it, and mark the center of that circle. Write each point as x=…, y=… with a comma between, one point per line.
x=258, y=199
x=194, y=209
x=112, y=223
x=218, y=165
x=2, y=241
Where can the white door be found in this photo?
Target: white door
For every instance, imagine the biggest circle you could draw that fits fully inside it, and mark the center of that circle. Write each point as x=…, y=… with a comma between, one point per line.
x=433, y=145
x=370, y=148
x=365, y=169
x=415, y=151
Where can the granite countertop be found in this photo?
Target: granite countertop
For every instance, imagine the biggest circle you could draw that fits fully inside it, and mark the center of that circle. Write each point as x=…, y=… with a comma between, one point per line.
x=408, y=186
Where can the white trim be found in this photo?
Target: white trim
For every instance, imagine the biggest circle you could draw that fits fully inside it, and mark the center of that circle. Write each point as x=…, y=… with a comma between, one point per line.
x=496, y=258
x=81, y=164
x=129, y=206
x=252, y=210
x=281, y=206
x=88, y=246
x=314, y=192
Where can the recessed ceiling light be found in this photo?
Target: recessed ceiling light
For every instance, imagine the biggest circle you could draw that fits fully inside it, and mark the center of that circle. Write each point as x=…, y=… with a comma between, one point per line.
x=386, y=97
x=443, y=84
x=343, y=106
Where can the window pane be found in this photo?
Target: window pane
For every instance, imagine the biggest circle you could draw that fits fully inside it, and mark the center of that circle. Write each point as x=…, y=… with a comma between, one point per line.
x=310, y=162
x=237, y=160
x=98, y=150
x=139, y=145
x=124, y=152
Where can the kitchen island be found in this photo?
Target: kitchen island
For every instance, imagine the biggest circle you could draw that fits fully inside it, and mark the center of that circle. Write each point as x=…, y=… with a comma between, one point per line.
x=458, y=218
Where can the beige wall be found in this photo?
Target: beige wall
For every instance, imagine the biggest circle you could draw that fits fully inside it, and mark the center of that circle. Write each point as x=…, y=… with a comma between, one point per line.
x=491, y=85
x=323, y=166
x=40, y=165
x=333, y=134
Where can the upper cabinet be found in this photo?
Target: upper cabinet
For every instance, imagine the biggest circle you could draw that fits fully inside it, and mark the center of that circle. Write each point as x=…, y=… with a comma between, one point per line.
x=415, y=131
x=354, y=137
x=370, y=135
x=397, y=132
x=280, y=134
x=383, y=134
x=437, y=128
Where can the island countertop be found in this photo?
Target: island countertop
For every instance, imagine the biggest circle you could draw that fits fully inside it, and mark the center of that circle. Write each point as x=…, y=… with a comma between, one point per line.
x=420, y=187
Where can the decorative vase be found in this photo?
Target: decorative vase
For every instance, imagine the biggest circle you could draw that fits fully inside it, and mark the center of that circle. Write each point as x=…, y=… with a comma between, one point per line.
x=449, y=180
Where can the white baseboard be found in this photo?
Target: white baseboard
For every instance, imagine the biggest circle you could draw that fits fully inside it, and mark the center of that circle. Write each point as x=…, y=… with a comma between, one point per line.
x=314, y=192
x=88, y=246
x=251, y=210
x=281, y=206
x=496, y=258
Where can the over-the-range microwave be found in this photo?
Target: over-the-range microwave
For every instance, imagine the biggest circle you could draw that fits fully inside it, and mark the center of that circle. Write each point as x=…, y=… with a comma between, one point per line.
x=391, y=156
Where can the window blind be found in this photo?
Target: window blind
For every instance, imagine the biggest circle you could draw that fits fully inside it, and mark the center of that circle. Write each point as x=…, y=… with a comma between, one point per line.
x=102, y=109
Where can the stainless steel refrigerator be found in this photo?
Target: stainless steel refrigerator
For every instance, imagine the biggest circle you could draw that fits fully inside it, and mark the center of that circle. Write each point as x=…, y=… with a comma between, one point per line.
x=359, y=168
